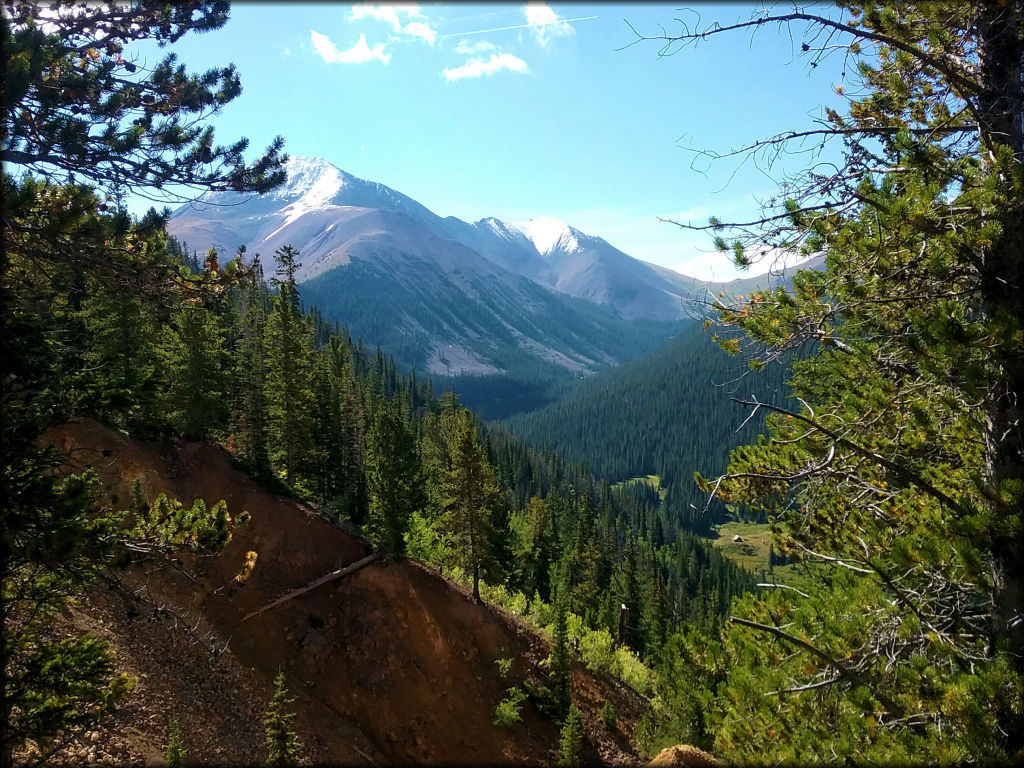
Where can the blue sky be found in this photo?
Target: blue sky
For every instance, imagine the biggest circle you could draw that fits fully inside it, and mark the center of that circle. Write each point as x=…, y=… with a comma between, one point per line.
x=517, y=111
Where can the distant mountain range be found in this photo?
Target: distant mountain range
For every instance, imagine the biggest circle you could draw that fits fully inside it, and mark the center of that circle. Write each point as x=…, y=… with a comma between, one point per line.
x=443, y=295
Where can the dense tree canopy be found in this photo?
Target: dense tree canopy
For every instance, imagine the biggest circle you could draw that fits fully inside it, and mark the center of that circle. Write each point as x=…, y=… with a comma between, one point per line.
x=98, y=311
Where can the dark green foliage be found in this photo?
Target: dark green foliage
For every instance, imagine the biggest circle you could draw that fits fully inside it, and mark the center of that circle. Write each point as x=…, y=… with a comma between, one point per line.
x=289, y=371
x=693, y=665
x=464, y=494
x=193, y=359
x=283, y=747
x=667, y=413
x=249, y=420
x=393, y=480
x=56, y=540
x=560, y=676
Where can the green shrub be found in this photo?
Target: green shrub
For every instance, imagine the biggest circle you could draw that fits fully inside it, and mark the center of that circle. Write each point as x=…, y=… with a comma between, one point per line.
x=506, y=714
x=175, y=752
x=504, y=667
x=608, y=716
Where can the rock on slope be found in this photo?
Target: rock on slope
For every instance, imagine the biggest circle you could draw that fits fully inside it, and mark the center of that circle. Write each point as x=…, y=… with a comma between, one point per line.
x=390, y=665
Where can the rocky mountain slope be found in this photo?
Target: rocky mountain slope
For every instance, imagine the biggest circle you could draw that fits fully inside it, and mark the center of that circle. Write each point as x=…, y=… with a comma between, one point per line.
x=390, y=665
x=318, y=211
x=530, y=301
x=444, y=295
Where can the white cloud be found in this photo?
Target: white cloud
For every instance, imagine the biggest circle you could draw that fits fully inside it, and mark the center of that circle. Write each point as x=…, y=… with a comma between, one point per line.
x=466, y=48
x=545, y=24
x=360, y=53
x=479, y=67
x=392, y=14
x=287, y=51
x=388, y=13
x=421, y=30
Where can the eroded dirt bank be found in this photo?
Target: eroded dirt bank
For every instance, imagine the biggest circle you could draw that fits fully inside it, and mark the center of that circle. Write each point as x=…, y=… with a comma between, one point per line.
x=389, y=665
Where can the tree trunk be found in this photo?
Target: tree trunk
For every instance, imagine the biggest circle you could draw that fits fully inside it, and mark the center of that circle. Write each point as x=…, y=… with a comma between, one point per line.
x=1001, y=112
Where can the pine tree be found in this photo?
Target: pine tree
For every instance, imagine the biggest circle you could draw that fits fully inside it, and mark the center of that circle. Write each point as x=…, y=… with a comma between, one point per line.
x=289, y=370
x=120, y=376
x=464, y=491
x=392, y=479
x=77, y=107
x=571, y=740
x=561, y=666
x=58, y=538
x=898, y=478
x=283, y=747
x=175, y=753
x=193, y=357
x=249, y=411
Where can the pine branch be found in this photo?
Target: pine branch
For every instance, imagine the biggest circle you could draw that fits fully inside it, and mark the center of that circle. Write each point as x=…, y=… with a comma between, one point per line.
x=899, y=470
x=844, y=671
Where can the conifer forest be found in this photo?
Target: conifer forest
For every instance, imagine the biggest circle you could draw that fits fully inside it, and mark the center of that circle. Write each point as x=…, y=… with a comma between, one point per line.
x=789, y=534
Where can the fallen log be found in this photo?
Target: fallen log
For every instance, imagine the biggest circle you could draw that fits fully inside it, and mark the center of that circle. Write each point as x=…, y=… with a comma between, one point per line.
x=314, y=584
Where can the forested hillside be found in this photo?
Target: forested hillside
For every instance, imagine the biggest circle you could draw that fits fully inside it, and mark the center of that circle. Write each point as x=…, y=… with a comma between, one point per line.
x=893, y=478
x=218, y=354
x=668, y=413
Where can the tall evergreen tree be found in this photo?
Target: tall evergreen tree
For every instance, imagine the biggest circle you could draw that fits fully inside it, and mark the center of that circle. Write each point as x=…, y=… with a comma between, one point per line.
x=466, y=495
x=561, y=664
x=192, y=358
x=393, y=479
x=120, y=374
x=283, y=747
x=249, y=411
x=289, y=369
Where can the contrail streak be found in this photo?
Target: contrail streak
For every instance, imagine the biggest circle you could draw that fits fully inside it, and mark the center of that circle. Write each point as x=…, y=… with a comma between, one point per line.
x=514, y=26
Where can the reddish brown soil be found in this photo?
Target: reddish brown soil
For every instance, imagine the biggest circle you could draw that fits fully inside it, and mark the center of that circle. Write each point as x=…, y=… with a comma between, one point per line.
x=684, y=756
x=390, y=665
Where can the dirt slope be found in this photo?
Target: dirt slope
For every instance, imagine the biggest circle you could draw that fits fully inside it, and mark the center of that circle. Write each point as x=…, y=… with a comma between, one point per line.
x=389, y=665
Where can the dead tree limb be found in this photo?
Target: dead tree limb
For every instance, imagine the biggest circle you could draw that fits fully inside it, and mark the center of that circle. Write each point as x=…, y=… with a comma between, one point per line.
x=314, y=584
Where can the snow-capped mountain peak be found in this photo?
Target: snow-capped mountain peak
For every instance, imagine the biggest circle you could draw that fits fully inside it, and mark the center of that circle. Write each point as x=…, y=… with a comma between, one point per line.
x=312, y=180
x=547, y=234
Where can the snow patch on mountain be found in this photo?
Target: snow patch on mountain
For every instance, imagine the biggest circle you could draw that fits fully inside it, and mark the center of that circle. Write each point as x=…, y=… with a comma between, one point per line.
x=547, y=234
x=313, y=181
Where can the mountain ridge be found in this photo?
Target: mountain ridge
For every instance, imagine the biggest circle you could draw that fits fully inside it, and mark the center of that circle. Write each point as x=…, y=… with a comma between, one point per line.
x=529, y=299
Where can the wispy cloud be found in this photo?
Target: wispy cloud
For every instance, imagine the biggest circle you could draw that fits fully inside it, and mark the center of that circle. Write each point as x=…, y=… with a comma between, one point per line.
x=393, y=14
x=538, y=25
x=545, y=24
x=360, y=53
x=478, y=67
